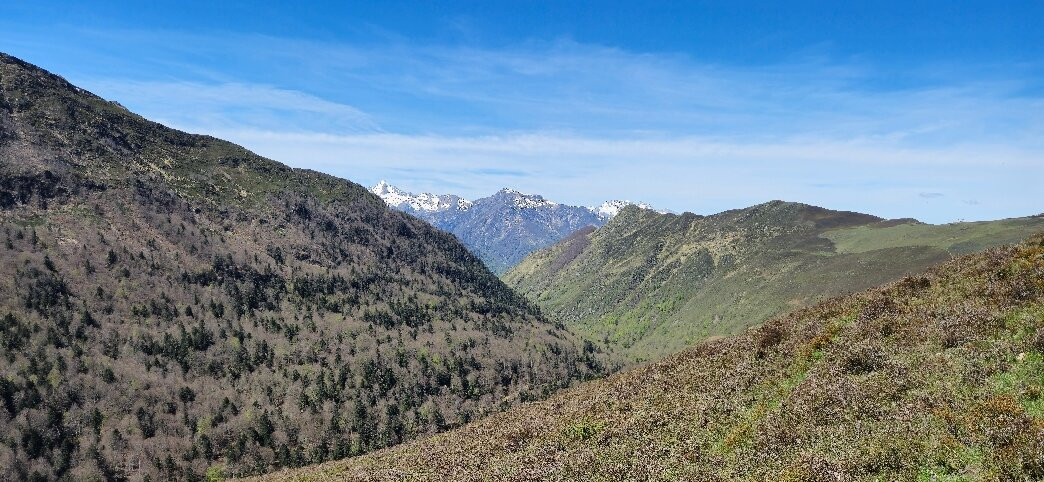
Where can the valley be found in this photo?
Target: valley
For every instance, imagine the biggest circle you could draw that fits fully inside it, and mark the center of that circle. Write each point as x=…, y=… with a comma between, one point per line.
x=934, y=377
x=197, y=285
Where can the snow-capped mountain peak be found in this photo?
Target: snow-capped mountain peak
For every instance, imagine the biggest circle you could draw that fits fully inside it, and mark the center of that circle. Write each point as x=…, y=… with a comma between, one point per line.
x=504, y=227
x=424, y=202
x=610, y=209
x=434, y=203
x=382, y=188
x=527, y=201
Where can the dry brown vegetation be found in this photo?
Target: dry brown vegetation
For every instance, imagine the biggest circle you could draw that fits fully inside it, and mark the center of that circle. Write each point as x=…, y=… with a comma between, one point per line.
x=934, y=377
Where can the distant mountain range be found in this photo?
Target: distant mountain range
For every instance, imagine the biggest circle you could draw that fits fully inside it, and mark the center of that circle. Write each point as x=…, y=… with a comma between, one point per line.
x=649, y=284
x=505, y=227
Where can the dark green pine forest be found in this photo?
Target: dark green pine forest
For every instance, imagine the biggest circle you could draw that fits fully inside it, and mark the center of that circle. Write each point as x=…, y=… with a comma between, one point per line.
x=173, y=306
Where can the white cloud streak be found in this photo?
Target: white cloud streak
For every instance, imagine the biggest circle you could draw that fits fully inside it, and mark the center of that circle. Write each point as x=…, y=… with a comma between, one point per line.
x=209, y=107
x=695, y=174
x=582, y=123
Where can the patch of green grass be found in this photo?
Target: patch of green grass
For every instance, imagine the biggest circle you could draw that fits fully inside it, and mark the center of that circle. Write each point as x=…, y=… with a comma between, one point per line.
x=770, y=399
x=939, y=474
x=216, y=473
x=31, y=221
x=84, y=212
x=582, y=430
x=1024, y=381
x=962, y=463
x=957, y=238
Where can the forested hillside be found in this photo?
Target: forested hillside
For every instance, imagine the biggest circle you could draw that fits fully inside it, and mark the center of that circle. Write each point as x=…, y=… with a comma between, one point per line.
x=173, y=306
x=939, y=376
x=649, y=284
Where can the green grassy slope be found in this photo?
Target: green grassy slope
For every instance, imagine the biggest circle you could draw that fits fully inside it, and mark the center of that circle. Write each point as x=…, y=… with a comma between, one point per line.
x=650, y=284
x=955, y=238
x=938, y=376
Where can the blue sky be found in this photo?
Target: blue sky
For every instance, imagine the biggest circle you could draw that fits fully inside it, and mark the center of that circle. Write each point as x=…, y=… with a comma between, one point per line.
x=933, y=110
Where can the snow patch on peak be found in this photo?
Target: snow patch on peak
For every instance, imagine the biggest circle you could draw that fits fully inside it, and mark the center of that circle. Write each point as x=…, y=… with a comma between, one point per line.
x=418, y=202
x=434, y=203
x=610, y=209
x=530, y=202
x=382, y=188
x=527, y=201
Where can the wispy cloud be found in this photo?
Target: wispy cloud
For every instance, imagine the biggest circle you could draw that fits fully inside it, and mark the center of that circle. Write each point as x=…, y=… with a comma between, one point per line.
x=220, y=106
x=681, y=173
x=589, y=89
x=584, y=122
x=499, y=172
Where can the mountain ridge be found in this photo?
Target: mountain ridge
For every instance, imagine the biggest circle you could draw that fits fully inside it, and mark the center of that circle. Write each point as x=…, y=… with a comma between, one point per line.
x=501, y=228
x=649, y=284
x=175, y=306
x=429, y=202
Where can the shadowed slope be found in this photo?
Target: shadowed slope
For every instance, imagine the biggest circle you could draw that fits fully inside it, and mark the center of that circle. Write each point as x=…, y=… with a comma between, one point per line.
x=173, y=305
